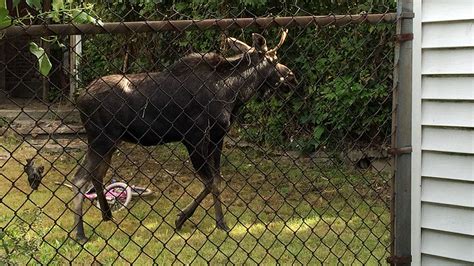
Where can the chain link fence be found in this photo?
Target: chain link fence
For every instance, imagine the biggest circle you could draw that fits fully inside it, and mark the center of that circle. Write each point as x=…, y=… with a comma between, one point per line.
x=257, y=144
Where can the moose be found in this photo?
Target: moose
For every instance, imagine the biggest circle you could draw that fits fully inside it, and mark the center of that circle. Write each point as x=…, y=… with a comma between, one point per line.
x=194, y=101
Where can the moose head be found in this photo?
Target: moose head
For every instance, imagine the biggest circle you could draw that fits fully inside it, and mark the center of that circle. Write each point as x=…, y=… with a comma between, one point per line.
x=265, y=60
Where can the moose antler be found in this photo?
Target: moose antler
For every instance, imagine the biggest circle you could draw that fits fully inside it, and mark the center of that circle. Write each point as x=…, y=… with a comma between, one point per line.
x=237, y=45
x=282, y=40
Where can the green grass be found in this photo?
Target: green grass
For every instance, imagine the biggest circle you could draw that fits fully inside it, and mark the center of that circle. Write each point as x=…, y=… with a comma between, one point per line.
x=280, y=209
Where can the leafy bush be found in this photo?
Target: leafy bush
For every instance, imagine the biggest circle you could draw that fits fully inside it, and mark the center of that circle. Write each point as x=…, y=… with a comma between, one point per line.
x=19, y=239
x=345, y=92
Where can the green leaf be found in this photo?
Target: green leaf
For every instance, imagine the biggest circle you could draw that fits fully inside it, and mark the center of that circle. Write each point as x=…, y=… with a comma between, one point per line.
x=79, y=16
x=34, y=3
x=15, y=3
x=58, y=5
x=95, y=21
x=83, y=17
x=318, y=132
x=181, y=6
x=3, y=4
x=55, y=16
x=43, y=60
x=5, y=20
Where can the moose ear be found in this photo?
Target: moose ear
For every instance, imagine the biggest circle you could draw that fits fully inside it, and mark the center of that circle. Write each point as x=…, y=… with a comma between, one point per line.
x=41, y=169
x=237, y=46
x=259, y=43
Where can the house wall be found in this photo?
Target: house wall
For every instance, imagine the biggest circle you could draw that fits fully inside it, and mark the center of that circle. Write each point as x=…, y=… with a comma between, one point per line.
x=443, y=133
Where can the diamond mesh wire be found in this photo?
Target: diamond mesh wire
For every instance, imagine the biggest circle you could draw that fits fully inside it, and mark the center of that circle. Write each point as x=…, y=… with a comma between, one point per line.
x=304, y=171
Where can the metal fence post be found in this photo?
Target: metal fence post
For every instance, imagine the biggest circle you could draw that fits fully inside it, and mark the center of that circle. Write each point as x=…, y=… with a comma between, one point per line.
x=47, y=49
x=401, y=140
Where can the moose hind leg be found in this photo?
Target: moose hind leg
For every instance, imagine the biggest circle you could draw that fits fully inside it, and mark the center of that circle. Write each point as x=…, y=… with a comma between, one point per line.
x=216, y=151
x=92, y=169
x=80, y=185
x=197, y=154
x=220, y=222
x=189, y=210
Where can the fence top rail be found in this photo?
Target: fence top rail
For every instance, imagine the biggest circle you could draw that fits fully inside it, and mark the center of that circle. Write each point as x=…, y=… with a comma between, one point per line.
x=183, y=25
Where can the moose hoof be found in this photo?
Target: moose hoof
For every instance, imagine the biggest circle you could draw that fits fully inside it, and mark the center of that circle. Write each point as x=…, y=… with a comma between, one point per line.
x=180, y=220
x=82, y=239
x=223, y=226
x=107, y=216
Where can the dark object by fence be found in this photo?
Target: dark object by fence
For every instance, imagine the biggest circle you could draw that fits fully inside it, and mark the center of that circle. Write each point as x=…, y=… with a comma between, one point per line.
x=193, y=102
x=35, y=173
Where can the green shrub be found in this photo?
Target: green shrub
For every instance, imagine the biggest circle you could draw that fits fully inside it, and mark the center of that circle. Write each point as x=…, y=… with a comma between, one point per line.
x=19, y=241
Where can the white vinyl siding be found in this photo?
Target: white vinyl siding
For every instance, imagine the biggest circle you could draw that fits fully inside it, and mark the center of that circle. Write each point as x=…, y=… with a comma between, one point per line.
x=456, y=140
x=448, y=165
x=447, y=218
x=447, y=61
x=447, y=10
x=448, y=88
x=449, y=34
x=443, y=122
x=451, y=246
x=446, y=191
x=429, y=260
x=448, y=113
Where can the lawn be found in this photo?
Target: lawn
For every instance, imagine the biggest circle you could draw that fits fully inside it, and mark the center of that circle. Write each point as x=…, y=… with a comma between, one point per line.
x=280, y=208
